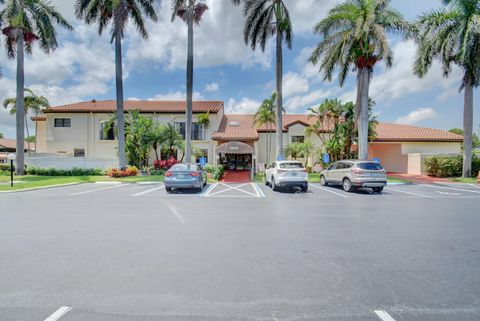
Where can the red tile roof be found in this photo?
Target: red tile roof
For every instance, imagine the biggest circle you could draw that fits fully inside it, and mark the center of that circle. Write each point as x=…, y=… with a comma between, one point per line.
x=147, y=106
x=237, y=127
x=11, y=144
x=387, y=132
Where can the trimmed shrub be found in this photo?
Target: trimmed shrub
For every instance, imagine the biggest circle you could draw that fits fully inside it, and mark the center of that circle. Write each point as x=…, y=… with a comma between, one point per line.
x=64, y=172
x=449, y=166
x=157, y=172
x=218, y=172
x=209, y=168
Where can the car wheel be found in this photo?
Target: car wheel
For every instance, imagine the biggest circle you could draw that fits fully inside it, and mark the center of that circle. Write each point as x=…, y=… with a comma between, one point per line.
x=378, y=189
x=274, y=186
x=266, y=182
x=168, y=189
x=305, y=188
x=323, y=181
x=347, y=185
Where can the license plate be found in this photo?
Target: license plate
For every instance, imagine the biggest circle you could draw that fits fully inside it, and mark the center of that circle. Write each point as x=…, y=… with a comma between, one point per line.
x=294, y=173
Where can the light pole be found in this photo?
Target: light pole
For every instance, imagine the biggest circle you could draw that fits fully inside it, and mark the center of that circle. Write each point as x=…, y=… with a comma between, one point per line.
x=11, y=158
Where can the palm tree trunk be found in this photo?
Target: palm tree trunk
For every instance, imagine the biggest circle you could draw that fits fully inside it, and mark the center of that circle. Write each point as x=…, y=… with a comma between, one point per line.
x=189, y=107
x=28, y=132
x=467, y=129
x=279, y=76
x=120, y=110
x=363, y=83
x=20, y=105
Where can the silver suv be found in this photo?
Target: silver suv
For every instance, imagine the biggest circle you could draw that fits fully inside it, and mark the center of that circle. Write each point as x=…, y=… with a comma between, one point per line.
x=353, y=174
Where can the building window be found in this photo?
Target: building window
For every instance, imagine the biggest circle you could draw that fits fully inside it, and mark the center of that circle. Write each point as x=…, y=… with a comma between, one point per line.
x=62, y=122
x=298, y=139
x=105, y=132
x=79, y=152
x=198, y=130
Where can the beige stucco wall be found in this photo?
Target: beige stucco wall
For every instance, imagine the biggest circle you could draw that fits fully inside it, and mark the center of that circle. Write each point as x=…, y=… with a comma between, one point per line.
x=435, y=148
x=390, y=155
x=85, y=133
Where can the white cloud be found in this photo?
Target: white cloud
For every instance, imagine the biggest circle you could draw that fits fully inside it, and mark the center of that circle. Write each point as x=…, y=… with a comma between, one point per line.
x=244, y=106
x=217, y=41
x=312, y=98
x=417, y=116
x=293, y=84
x=400, y=81
x=212, y=87
x=176, y=96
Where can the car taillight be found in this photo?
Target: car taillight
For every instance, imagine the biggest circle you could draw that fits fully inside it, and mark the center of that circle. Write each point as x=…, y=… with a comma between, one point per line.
x=195, y=174
x=168, y=174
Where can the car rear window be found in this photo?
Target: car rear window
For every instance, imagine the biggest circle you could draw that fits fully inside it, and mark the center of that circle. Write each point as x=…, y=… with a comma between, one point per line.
x=370, y=166
x=291, y=165
x=184, y=167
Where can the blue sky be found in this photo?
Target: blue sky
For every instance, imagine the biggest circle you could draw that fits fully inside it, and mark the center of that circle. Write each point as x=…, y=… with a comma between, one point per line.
x=82, y=68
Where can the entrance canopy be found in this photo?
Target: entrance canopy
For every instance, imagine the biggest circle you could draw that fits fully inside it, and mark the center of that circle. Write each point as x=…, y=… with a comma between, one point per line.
x=235, y=148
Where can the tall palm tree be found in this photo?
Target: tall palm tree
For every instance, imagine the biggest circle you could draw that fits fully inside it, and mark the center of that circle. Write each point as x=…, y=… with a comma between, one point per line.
x=190, y=11
x=32, y=103
x=27, y=22
x=117, y=12
x=264, y=19
x=354, y=37
x=451, y=36
x=265, y=116
x=172, y=140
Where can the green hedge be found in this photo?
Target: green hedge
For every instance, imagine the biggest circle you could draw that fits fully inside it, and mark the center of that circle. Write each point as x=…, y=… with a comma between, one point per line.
x=5, y=167
x=449, y=166
x=65, y=172
x=218, y=172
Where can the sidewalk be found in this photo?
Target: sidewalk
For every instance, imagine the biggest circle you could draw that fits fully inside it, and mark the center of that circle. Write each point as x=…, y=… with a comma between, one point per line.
x=419, y=179
x=236, y=177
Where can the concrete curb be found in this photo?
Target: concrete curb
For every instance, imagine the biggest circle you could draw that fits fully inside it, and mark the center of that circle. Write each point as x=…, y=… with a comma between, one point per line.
x=42, y=187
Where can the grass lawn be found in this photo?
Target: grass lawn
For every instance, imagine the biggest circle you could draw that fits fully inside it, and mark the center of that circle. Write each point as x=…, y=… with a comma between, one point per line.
x=469, y=180
x=31, y=181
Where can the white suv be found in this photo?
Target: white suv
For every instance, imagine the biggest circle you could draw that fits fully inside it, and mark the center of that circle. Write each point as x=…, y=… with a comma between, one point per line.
x=286, y=174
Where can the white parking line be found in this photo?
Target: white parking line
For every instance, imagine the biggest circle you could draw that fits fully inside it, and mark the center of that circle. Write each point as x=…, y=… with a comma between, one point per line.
x=148, y=191
x=474, y=185
x=411, y=193
x=327, y=190
x=175, y=212
x=259, y=190
x=211, y=188
x=58, y=314
x=384, y=315
x=453, y=189
x=230, y=188
x=98, y=190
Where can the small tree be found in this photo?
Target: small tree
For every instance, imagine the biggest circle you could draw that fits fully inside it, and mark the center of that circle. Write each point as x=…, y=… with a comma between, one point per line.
x=293, y=150
x=204, y=119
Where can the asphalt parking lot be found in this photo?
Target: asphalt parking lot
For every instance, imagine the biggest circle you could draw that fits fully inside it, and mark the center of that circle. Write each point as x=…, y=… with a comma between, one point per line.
x=240, y=252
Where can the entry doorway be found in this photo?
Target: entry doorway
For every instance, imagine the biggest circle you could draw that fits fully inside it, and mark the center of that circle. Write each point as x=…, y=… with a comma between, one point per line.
x=238, y=162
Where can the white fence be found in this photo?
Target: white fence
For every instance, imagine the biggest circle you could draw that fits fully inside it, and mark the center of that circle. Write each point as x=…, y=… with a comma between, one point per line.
x=71, y=162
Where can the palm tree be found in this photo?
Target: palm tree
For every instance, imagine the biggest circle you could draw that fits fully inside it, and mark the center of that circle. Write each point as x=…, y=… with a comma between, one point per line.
x=190, y=11
x=32, y=103
x=451, y=36
x=307, y=149
x=266, y=18
x=354, y=37
x=293, y=150
x=265, y=116
x=172, y=139
x=27, y=22
x=118, y=13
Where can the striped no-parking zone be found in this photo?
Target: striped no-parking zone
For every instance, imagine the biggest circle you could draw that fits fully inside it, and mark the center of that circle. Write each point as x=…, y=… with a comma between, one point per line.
x=245, y=190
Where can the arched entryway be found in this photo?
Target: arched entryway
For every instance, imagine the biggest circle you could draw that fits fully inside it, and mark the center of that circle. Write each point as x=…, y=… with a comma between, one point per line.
x=237, y=157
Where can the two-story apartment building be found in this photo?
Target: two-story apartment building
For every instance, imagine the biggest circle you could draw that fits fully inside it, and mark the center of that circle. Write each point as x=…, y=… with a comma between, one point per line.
x=76, y=131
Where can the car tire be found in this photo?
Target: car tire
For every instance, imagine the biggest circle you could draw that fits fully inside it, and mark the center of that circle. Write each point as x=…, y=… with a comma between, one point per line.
x=347, y=185
x=378, y=189
x=305, y=188
x=323, y=181
x=168, y=189
x=266, y=182
x=274, y=186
